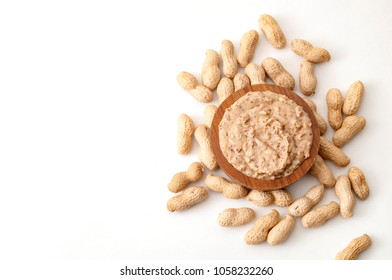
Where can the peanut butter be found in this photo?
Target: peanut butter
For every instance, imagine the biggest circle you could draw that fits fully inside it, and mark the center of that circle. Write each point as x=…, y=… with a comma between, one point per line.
x=265, y=135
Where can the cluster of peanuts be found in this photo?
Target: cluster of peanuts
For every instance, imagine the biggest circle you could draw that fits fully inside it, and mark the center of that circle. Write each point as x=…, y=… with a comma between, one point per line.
x=341, y=117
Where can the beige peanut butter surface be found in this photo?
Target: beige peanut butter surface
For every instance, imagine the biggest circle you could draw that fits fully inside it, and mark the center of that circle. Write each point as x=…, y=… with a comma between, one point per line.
x=265, y=135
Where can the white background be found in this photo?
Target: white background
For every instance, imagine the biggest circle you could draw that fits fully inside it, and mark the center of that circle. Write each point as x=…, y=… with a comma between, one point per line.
x=88, y=109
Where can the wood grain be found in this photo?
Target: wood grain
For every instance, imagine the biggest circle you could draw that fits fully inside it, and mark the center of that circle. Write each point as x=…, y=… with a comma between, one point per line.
x=243, y=179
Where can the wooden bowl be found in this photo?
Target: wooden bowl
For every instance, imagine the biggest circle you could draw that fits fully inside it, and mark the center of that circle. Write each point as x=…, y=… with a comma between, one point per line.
x=254, y=183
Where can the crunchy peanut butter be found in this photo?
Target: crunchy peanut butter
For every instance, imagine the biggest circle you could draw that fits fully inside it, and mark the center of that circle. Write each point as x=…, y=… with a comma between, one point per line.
x=265, y=135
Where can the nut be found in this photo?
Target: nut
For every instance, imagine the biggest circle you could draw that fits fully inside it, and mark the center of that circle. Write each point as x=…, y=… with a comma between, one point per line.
x=209, y=113
x=311, y=104
x=259, y=232
x=351, y=126
x=279, y=233
x=189, y=82
x=358, y=182
x=330, y=152
x=307, y=78
x=247, y=47
x=181, y=180
x=345, y=195
x=322, y=172
x=310, y=53
x=229, y=189
x=354, y=248
x=320, y=120
x=282, y=198
x=335, y=103
x=240, y=81
x=319, y=216
x=272, y=31
x=185, y=129
x=255, y=74
x=353, y=98
x=229, y=62
x=225, y=89
x=275, y=70
x=210, y=73
x=233, y=217
x=188, y=198
x=205, y=153
x=302, y=205
x=260, y=198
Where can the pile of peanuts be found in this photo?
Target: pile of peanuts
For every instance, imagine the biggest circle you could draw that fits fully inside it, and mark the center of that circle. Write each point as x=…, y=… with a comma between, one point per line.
x=341, y=117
